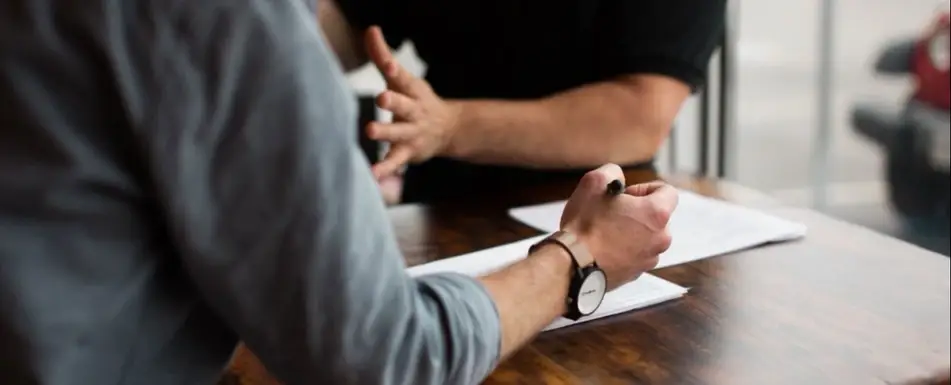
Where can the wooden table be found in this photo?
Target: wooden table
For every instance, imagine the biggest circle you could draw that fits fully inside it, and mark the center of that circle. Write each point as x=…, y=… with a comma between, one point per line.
x=843, y=306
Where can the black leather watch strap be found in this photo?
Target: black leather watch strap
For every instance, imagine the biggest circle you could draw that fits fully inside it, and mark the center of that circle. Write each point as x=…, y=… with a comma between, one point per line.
x=583, y=265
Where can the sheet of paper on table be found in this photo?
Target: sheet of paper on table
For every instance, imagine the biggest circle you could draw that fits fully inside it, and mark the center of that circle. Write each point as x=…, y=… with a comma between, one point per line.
x=645, y=291
x=701, y=227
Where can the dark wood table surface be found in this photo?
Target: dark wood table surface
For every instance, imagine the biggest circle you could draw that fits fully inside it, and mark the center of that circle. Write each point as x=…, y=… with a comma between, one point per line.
x=845, y=305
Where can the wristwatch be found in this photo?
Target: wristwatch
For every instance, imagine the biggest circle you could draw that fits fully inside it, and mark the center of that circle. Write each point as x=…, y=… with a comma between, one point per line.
x=588, y=282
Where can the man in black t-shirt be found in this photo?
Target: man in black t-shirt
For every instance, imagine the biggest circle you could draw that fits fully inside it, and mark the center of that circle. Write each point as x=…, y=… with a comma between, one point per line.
x=520, y=91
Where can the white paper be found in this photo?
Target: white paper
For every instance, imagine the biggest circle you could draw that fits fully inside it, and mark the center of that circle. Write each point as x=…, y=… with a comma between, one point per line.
x=645, y=291
x=700, y=227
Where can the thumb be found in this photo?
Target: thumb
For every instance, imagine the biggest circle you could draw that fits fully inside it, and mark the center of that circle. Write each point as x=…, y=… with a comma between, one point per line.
x=596, y=181
x=593, y=184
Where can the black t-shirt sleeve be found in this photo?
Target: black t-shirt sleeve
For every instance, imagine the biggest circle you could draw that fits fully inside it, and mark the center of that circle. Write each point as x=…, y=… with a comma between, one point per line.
x=675, y=38
x=389, y=15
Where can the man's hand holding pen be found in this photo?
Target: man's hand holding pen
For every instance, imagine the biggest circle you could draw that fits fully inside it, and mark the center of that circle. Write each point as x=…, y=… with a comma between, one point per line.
x=624, y=228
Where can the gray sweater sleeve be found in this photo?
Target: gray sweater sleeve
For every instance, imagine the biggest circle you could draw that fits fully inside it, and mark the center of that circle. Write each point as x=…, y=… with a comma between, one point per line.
x=250, y=134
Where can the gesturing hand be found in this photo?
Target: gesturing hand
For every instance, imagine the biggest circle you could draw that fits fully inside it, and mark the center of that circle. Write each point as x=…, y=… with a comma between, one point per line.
x=423, y=123
x=625, y=234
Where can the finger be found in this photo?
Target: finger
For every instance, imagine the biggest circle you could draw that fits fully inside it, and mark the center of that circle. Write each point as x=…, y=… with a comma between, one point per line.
x=661, y=242
x=390, y=187
x=665, y=197
x=400, y=105
x=392, y=132
x=395, y=159
x=397, y=77
x=651, y=262
x=596, y=181
x=655, y=210
x=644, y=189
x=378, y=50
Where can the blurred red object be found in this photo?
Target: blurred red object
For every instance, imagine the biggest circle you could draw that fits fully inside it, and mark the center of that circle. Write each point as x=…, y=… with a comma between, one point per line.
x=914, y=136
x=930, y=64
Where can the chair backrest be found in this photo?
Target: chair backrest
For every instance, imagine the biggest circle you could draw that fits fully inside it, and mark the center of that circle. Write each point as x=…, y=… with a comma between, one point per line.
x=724, y=104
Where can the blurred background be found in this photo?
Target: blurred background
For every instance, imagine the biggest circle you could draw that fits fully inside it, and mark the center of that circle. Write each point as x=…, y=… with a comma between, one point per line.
x=780, y=140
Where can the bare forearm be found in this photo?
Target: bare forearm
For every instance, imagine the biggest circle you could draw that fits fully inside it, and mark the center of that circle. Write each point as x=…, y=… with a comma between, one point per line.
x=343, y=38
x=529, y=295
x=610, y=122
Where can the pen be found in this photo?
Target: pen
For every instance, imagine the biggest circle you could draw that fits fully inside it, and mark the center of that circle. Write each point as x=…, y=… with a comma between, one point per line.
x=615, y=188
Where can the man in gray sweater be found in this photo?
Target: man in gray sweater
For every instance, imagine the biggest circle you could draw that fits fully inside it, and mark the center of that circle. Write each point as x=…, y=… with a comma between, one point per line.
x=176, y=176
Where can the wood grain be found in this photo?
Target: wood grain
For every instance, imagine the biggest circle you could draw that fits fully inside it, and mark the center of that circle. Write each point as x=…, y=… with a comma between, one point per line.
x=843, y=306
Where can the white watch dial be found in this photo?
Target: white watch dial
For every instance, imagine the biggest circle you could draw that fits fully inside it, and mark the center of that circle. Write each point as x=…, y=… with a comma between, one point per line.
x=592, y=292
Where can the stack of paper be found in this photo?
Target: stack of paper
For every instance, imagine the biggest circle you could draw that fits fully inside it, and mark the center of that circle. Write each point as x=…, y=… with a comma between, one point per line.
x=645, y=291
x=701, y=227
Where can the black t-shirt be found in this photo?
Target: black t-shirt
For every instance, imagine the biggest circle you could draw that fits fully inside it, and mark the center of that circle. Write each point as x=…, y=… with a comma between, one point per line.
x=520, y=49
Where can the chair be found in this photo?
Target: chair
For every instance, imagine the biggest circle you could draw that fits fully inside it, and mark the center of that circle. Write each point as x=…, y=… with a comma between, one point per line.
x=724, y=105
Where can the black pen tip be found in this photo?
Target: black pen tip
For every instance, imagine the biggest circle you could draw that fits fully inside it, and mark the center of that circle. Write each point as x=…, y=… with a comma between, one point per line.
x=616, y=187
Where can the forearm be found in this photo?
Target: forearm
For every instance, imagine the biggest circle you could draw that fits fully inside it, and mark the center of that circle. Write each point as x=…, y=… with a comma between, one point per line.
x=443, y=328
x=609, y=122
x=341, y=36
x=529, y=295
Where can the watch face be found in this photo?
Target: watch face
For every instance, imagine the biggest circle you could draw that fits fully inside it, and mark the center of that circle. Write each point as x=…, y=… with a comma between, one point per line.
x=592, y=292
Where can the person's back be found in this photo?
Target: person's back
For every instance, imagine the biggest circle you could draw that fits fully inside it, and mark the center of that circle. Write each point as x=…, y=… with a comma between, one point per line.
x=105, y=106
x=90, y=285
